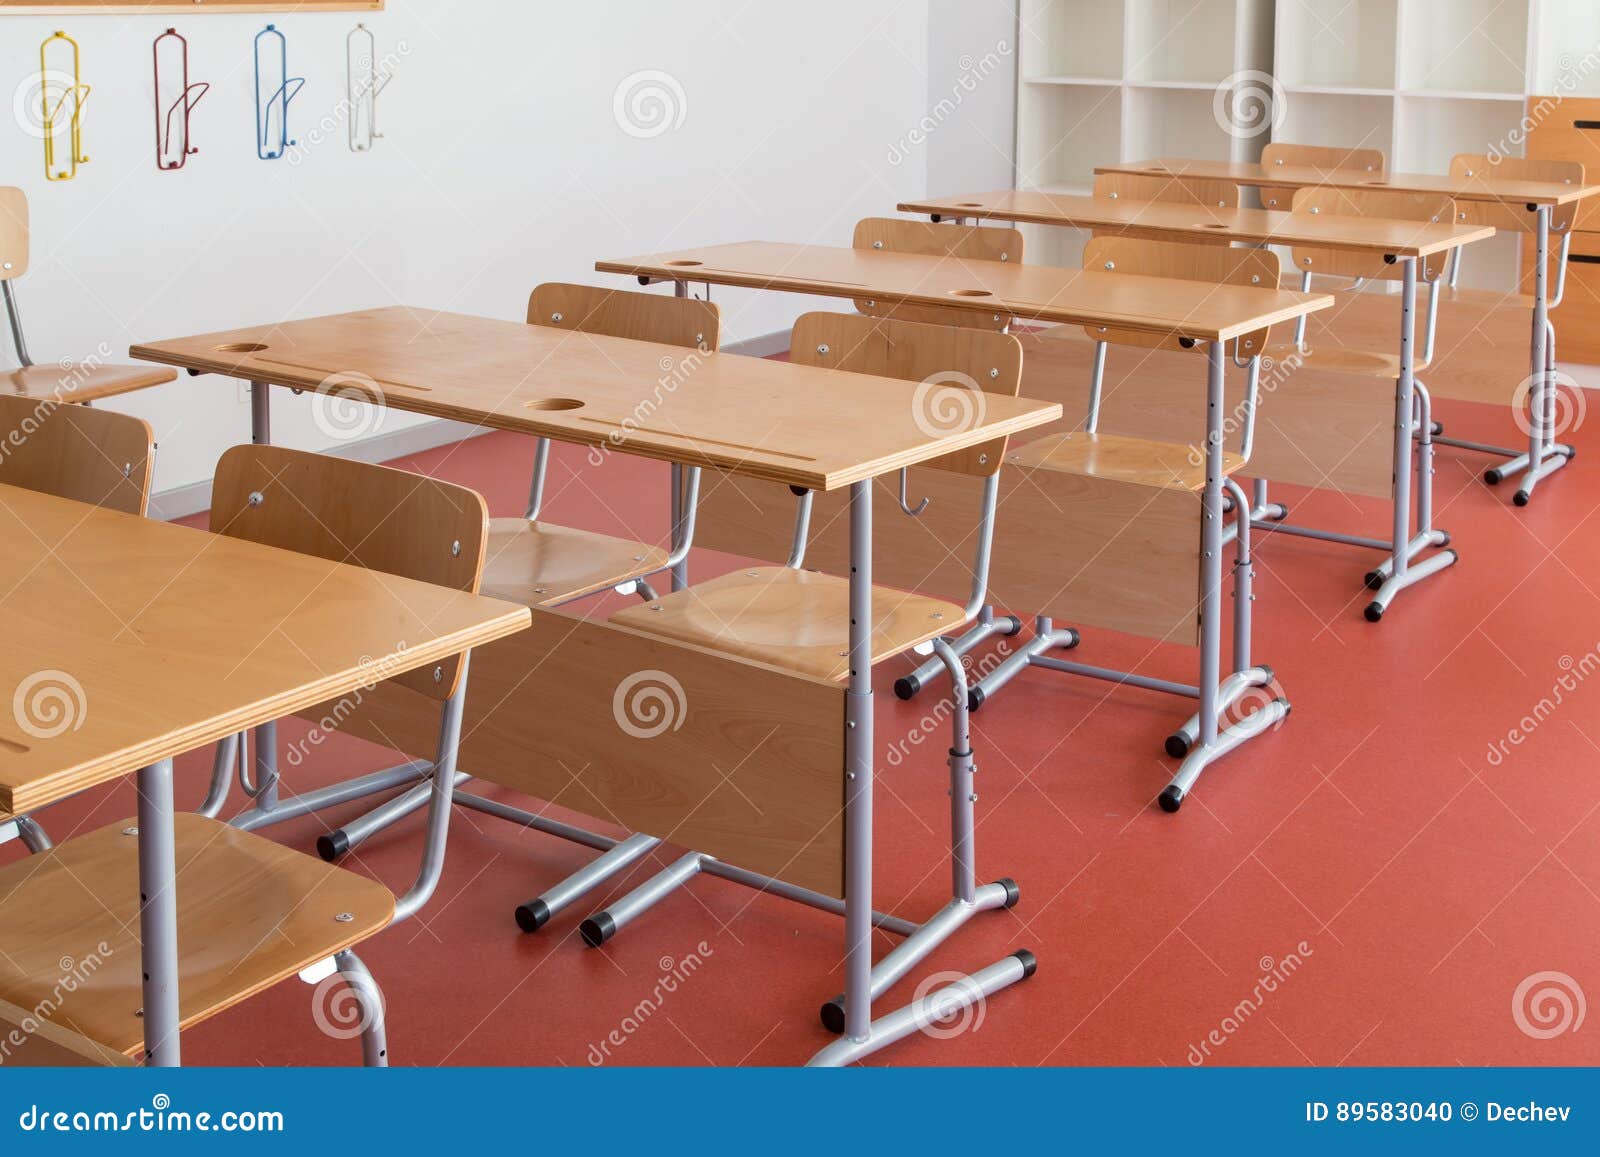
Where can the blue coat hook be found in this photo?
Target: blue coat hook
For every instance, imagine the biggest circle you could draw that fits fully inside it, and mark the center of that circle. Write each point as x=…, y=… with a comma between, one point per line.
x=275, y=88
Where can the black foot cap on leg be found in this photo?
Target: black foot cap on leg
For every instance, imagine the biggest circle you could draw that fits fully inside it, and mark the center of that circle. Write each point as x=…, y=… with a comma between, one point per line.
x=1374, y=612
x=1030, y=962
x=1520, y=498
x=1013, y=893
x=597, y=929
x=906, y=686
x=1374, y=580
x=1073, y=638
x=1015, y=625
x=333, y=845
x=833, y=1014
x=1177, y=745
x=1493, y=476
x=1171, y=798
x=533, y=915
x=975, y=698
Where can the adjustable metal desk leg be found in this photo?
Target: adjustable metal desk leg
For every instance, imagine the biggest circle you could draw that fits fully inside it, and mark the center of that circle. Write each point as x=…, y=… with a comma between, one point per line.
x=260, y=413
x=158, y=914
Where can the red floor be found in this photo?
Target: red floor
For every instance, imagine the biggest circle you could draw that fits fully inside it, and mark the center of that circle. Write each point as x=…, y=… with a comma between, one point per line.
x=1395, y=881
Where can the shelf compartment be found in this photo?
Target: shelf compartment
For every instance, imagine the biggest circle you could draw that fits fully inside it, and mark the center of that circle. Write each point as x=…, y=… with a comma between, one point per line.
x=1064, y=131
x=1071, y=38
x=1337, y=43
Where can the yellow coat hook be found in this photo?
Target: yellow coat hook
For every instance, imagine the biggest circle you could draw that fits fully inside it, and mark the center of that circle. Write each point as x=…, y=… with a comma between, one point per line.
x=77, y=92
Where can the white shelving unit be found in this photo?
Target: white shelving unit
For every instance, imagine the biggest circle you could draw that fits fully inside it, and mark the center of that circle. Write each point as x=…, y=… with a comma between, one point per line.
x=1425, y=80
x=1114, y=80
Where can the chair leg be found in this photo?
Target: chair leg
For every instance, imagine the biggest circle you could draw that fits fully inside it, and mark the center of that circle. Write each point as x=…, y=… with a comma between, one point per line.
x=374, y=1034
x=26, y=829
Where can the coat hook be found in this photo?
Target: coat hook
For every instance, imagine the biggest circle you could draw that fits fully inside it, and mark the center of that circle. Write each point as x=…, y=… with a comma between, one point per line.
x=77, y=92
x=270, y=98
x=173, y=148
x=363, y=83
x=906, y=505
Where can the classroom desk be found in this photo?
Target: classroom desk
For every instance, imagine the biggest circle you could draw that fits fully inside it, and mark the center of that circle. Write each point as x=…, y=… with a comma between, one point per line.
x=1553, y=204
x=547, y=720
x=1193, y=312
x=1411, y=243
x=1184, y=309
x=131, y=641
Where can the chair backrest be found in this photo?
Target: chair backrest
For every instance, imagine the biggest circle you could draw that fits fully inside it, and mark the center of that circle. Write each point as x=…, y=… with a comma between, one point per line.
x=958, y=366
x=1513, y=216
x=89, y=455
x=1187, y=261
x=630, y=313
x=353, y=512
x=1392, y=204
x=971, y=242
x=13, y=232
x=1162, y=187
x=1327, y=159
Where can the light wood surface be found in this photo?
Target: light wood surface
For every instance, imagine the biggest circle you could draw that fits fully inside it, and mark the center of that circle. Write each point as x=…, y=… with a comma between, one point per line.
x=1332, y=431
x=958, y=370
x=733, y=758
x=1148, y=187
x=1257, y=226
x=1090, y=553
x=1213, y=264
x=797, y=620
x=1029, y=292
x=543, y=562
x=94, y=456
x=820, y=429
x=974, y=242
x=13, y=232
x=1121, y=458
x=251, y=913
x=680, y=321
x=1388, y=204
x=1325, y=158
x=80, y=381
x=1479, y=188
x=130, y=640
x=28, y=1041
x=386, y=520
x=1469, y=165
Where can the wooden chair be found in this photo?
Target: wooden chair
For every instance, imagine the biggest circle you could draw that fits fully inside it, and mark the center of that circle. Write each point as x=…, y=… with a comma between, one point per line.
x=1151, y=546
x=1369, y=164
x=542, y=563
x=1169, y=189
x=84, y=381
x=1397, y=205
x=963, y=242
x=93, y=456
x=1327, y=158
x=797, y=620
x=252, y=913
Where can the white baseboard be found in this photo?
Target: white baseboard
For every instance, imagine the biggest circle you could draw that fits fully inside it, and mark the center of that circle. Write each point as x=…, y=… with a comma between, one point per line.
x=182, y=501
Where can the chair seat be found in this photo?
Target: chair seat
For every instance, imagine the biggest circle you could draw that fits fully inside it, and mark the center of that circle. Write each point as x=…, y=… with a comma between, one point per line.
x=1120, y=458
x=84, y=382
x=538, y=562
x=250, y=913
x=1371, y=363
x=48, y=1046
x=794, y=619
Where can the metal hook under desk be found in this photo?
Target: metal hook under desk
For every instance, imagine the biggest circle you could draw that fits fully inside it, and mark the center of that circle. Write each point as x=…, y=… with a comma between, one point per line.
x=363, y=83
x=288, y=88
x=904, y=504
x=78, y=93
x=169, y=143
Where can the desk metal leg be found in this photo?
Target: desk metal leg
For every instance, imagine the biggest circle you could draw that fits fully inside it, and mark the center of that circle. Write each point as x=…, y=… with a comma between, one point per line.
x=374, y=1034
x=260, y=413
x=158, y=914
x=1401, y=573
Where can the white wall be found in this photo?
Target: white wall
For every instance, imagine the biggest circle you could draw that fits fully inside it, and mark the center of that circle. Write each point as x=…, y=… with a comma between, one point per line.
x=972, y=84
x=502, y=165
